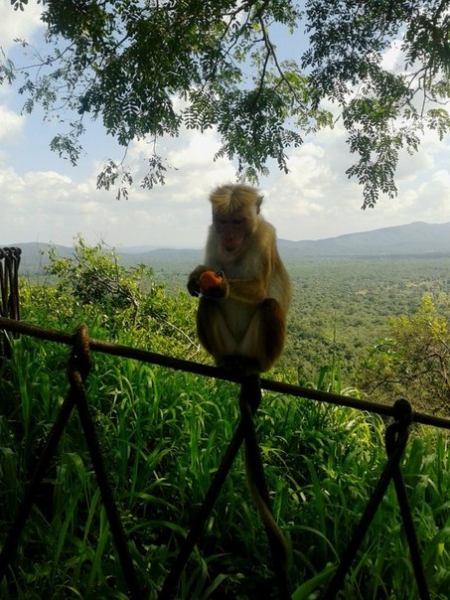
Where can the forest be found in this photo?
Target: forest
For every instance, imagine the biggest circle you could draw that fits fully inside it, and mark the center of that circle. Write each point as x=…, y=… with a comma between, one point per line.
x=363, y=327
x=346, y=314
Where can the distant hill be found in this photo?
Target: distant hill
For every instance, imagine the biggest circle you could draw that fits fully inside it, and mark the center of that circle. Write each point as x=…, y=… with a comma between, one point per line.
x=34, y=256
x=415, y=239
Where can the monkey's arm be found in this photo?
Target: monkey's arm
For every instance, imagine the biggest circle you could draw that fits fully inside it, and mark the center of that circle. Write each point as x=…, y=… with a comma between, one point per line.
x=252, y=287
x=252, y=291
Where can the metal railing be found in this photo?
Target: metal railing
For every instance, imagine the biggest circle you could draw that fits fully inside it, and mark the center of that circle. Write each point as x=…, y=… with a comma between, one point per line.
x=78, y=371
x=9, y=290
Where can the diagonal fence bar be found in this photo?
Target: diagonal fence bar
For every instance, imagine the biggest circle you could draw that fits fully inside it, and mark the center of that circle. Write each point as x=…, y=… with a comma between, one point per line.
x=78, y=370
x=203, y=514
x=79, y=367
x=392, y=434
x=13, y=537
x=250, y=398
x=396, y=440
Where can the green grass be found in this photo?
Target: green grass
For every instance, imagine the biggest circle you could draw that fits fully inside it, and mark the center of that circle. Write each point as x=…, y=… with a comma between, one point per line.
x=163, y=435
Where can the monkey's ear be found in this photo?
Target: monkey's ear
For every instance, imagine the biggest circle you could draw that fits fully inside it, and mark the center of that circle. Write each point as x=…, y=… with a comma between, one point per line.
x=258, y=204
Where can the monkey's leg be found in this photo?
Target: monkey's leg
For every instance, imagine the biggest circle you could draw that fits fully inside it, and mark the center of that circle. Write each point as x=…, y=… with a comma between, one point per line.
x=266, y=334
x=212, y=330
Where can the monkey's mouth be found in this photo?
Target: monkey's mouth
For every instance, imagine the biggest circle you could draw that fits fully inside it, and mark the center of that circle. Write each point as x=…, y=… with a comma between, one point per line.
x=229, y=244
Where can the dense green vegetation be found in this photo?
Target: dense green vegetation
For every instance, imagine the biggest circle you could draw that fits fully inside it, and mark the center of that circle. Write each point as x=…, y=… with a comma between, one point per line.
x=164, y=433
x=343, y=314
x=342, y=307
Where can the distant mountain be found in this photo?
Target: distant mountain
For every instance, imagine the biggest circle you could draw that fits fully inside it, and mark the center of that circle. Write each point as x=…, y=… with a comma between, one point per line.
x=146, y=248
x=416, y=239
x=34, y=256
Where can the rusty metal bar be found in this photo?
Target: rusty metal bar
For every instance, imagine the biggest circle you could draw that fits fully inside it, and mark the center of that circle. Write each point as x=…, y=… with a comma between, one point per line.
x=79, y=367
x=9, y=291
x=9, y=282
x=205, y=510
x=391, y=438
x=199, y=369
x=366, y=519
x=396, y=440
x=13, y=537
x=3, y=287
x=250, y=398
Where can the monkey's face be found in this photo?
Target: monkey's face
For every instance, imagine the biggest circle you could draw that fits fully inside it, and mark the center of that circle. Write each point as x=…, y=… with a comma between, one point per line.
x=231, y=229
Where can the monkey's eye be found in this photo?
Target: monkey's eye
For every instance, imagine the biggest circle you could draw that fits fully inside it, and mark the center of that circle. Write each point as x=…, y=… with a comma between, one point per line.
x=224, y=221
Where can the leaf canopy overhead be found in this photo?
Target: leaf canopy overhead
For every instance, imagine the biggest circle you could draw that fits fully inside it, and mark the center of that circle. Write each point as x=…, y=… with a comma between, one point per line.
x=148, y=67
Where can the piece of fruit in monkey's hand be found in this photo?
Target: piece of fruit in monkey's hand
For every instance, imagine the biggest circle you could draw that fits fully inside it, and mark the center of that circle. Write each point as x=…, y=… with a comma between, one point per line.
x=209, y=280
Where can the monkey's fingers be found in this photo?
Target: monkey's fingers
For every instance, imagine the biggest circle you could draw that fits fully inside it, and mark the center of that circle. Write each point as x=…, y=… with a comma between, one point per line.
x=193, y=286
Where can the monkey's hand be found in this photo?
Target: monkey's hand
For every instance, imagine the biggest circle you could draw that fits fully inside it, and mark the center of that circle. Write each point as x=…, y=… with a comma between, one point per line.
x=214, y=285
x=193, y=284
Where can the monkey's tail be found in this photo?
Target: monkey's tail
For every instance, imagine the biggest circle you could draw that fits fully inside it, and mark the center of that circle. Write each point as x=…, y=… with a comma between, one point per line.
x=249, y=402
x=262, y=505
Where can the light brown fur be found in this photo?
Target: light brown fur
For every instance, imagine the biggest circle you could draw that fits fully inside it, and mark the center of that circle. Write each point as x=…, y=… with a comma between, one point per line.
x=232, y=198
x=245, y=316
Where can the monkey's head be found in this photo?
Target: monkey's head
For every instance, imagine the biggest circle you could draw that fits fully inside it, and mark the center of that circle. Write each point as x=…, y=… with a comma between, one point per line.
x=235, y=213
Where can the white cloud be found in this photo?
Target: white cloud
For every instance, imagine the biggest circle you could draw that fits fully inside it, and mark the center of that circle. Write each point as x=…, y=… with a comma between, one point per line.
x=17, y=23
x=393, y=59
x=10, y=123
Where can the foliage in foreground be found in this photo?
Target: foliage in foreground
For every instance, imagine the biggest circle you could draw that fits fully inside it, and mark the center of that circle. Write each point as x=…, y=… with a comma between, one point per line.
x=93, y=287
x=147, y=69
x=415, y=358
x=163, y=435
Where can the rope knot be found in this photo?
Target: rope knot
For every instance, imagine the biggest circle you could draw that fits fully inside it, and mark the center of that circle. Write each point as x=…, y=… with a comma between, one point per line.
x=397, y=432
x=403, y=412
x=250, y=395
x=80, y=358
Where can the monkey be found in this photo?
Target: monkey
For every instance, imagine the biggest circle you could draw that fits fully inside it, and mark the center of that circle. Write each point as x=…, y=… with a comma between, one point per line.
x=245, y=293
x=241, y=316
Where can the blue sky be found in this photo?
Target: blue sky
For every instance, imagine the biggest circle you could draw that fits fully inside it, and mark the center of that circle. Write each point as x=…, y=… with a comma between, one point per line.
x=45, y=199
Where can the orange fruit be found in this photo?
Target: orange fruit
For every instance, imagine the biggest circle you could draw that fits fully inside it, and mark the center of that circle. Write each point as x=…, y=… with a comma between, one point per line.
x=209, y=279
